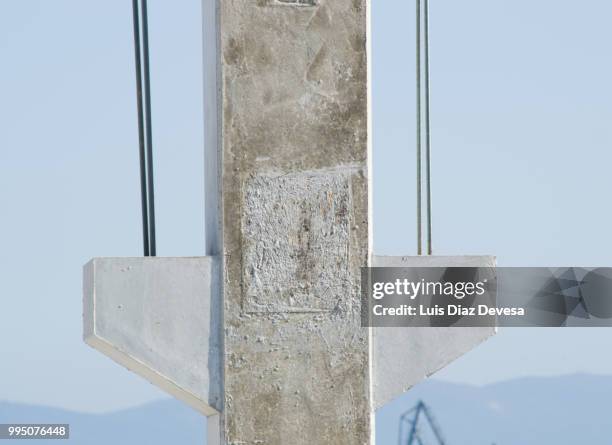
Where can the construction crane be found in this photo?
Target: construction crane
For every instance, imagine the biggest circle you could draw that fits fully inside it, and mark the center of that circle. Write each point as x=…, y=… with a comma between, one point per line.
x=409, y=431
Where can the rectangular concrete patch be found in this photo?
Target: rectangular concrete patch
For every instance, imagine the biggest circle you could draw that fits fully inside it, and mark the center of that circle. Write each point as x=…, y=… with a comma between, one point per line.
x=296, y=241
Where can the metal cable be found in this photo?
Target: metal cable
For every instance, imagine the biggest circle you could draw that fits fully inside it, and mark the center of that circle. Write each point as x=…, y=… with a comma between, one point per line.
x=141, y=54
x=141, y=131
x=427, y=129
x=418, y=128
x=148, y=123
x=423, y=112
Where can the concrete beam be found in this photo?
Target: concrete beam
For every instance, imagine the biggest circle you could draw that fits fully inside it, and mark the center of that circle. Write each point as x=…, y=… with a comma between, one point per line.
x=402, y=357
x=159, y=318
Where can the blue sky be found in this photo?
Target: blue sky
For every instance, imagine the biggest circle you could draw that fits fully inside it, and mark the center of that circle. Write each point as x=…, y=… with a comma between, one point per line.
x=521, y=109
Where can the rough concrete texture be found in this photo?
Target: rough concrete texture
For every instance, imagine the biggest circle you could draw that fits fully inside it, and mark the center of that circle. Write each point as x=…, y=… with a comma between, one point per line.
x=270, y=345
x=296, y=231
x=294, y=120
x=156, y=317
x=403, y=357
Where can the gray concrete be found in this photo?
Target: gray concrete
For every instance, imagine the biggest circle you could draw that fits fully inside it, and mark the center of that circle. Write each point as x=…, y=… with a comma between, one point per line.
x=292, y=164
x=161, y=318
x=155, y=316
x=405, y=356
x=269, y=343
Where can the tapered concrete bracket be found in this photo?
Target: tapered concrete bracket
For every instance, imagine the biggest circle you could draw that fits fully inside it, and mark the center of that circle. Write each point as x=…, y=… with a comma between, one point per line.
x=159, y=317
x=405, y=356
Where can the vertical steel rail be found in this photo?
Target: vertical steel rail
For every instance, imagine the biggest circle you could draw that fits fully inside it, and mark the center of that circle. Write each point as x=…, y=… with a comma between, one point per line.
x=427, y=129
x=149, y=130
x=145, y=136
x=423, y=114
x=141, y=131
x=418, y=129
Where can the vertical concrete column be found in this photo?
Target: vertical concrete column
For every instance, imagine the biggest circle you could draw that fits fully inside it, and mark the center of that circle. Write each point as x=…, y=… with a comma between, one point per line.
x=287, y=171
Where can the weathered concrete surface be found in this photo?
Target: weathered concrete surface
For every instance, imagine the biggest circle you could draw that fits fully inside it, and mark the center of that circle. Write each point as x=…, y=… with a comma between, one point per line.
x=156, y=317
x=161, y=318
x=405, y=356
x=292, y=165
x=269, y=344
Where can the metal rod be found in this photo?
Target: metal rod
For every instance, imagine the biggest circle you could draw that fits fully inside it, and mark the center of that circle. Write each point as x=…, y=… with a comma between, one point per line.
x=141, y=134
x=148, y=123
x=427, y=129
x=418, y=127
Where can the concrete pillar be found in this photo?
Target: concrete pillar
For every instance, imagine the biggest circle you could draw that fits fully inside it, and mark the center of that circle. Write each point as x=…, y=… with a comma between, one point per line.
x=291, y=160
x=263, y=335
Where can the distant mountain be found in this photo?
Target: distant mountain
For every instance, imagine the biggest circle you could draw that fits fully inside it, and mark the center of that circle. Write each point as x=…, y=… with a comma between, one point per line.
x=575, y=409
x=565, y=410
x=164, y=422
